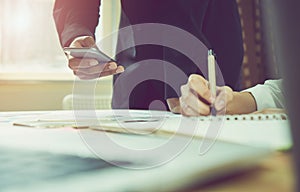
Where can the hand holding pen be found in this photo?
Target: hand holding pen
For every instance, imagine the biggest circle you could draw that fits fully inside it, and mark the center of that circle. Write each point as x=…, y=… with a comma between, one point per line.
x=202, y=97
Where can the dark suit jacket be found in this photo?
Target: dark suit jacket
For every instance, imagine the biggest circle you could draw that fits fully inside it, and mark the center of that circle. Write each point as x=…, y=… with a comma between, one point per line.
x=214, y=22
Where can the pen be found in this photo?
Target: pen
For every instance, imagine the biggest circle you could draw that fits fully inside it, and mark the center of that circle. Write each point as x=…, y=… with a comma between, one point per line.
x=212, y=78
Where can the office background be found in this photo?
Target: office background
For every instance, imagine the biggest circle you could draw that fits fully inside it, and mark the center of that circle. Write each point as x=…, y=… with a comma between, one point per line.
x=33, y=68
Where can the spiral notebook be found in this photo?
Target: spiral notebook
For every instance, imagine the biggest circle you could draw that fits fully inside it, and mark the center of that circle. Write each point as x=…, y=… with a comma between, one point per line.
x=265, y=130
x=268, y=130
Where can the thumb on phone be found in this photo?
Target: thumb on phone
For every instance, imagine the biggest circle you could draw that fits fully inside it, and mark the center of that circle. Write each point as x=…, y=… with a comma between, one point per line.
x=83, y=41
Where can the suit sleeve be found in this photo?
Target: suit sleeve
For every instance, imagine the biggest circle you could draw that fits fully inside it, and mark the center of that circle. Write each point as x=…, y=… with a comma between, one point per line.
x=75, y=18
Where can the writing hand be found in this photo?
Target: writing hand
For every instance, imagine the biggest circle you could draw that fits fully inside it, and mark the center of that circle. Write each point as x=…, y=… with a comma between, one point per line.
x=196, y=97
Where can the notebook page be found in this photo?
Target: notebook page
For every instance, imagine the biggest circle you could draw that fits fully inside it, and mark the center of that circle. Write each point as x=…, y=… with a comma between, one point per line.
x=267, y=130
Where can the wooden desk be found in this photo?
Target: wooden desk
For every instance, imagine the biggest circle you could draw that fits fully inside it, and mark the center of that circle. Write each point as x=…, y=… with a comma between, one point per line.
x=274, y=174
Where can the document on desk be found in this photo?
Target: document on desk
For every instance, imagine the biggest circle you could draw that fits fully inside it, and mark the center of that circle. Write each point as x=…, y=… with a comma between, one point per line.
x=268, y=130
x=255, y=129
x=135, y=121
x=106, y=123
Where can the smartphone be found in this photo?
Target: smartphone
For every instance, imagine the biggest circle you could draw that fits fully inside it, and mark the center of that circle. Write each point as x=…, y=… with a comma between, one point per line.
x=92, y=53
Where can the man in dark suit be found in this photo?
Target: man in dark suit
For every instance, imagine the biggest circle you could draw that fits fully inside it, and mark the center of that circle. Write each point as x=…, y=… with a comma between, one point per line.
x=214, y=22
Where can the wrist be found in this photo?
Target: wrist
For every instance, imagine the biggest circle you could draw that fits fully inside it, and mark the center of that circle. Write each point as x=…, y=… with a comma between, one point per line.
x=230, y=103
x=241, y=103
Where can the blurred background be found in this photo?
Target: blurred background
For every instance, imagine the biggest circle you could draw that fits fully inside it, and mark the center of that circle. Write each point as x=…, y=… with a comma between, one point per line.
x=33, y=68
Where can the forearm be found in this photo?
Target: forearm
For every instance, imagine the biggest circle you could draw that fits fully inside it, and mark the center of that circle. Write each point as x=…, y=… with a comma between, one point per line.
x=241, y=103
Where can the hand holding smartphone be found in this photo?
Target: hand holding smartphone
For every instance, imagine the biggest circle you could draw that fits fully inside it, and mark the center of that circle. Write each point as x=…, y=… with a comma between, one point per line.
x=91, y=63
x=91, y=53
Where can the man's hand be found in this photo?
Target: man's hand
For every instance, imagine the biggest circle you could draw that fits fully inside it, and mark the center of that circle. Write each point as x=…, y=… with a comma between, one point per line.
x=196, y=97
x=174, y=105
x=86, y=68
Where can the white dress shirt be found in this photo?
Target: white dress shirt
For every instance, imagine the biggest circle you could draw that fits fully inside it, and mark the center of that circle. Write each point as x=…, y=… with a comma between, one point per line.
x=268, y=95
